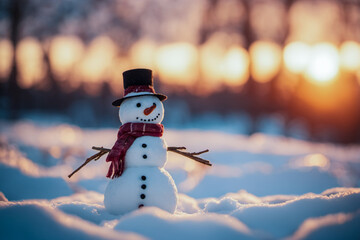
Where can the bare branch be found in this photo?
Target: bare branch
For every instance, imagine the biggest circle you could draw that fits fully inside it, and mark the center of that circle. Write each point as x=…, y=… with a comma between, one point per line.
x=95, y=157
x=198, y=153
x=175, y=148
x=103, y=151
x=190, y=155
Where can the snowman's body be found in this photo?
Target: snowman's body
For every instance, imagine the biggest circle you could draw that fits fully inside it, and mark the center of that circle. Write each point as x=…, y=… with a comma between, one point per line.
x=144, y=181
x=138, y=187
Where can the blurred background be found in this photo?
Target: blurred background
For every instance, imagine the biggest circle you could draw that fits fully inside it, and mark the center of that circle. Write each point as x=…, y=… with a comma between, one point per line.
x=281, y=67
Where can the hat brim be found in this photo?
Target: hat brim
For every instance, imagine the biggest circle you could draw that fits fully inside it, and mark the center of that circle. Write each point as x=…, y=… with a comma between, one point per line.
x=118, y=102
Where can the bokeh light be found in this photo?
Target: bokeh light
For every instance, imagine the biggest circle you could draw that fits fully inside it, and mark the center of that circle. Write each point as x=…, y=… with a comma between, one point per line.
x=293, y=58
x=236, y=66
x=30, y=58
x=65, y=52
x=177, y=63
x=6, y=56
x=265, y=60
x=324, y=63
x=296, y=56
x=211, y=55
x=350, y=56
x=94, y=67
x=143, y=53
x=99, y=55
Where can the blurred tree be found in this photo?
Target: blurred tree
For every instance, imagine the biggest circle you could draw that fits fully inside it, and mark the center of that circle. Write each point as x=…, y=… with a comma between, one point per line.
x=225, y=24
x=16, y=16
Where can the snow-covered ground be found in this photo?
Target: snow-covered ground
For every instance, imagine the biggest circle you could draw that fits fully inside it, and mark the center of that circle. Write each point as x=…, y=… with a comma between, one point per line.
x=259, y=187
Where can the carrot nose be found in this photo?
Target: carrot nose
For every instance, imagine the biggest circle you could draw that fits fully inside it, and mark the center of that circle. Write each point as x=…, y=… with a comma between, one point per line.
x=149, y=110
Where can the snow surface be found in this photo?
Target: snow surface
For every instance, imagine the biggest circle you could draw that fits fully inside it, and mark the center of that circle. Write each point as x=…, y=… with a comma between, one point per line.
x=259, y=187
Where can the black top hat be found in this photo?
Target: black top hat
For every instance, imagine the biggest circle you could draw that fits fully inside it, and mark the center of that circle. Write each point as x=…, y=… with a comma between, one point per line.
x=138, y=82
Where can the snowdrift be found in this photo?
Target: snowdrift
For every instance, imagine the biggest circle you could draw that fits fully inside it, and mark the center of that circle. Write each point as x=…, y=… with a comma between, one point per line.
x=260, y=187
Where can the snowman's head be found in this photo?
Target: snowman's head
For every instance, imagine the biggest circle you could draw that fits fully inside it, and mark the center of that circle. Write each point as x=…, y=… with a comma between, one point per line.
x=141, y=109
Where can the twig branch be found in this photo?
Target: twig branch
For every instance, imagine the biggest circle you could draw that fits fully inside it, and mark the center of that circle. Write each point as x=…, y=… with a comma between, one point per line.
x=175, y=148
x=94, y=157
x=190, y=155
x=198, y=153
x=103, y=151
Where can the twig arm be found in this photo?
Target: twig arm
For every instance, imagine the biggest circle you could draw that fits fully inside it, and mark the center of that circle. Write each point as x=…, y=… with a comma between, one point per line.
x=198, y=153
x=95, y=157
x=103, y=151
x=190, y=155
x=176, y=148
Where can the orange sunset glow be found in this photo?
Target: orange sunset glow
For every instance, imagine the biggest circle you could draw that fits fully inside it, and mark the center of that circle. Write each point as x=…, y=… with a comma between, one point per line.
x=180, y=63
x=298, y=58
x=161, y=119
x=266, y=59
x=324, y=63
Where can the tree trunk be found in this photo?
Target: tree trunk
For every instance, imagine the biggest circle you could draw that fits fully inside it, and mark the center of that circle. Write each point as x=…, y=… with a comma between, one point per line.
x=13, y=87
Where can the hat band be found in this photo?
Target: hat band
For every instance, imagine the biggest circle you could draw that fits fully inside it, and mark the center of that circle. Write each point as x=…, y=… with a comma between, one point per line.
x=139, y=88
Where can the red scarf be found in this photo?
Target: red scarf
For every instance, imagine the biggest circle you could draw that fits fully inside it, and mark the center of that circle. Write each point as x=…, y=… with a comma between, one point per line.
x=126, y=136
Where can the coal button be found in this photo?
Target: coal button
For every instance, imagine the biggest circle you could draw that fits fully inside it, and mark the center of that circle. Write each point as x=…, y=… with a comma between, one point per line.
x=144, y=145
x=144, y=156
x=141, y=205
x=142, y=196
x=143, y=186
x=143, y=178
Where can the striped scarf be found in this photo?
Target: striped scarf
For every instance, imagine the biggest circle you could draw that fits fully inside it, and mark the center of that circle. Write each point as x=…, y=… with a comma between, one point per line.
x=126, y=137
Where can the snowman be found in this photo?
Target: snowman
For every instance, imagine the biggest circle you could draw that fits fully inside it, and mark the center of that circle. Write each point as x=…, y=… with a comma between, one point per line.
x=137, y=173
x=139, y=154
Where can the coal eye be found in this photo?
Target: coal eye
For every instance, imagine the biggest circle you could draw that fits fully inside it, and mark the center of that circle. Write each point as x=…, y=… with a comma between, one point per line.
x=154, y=104
x=138, y=104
